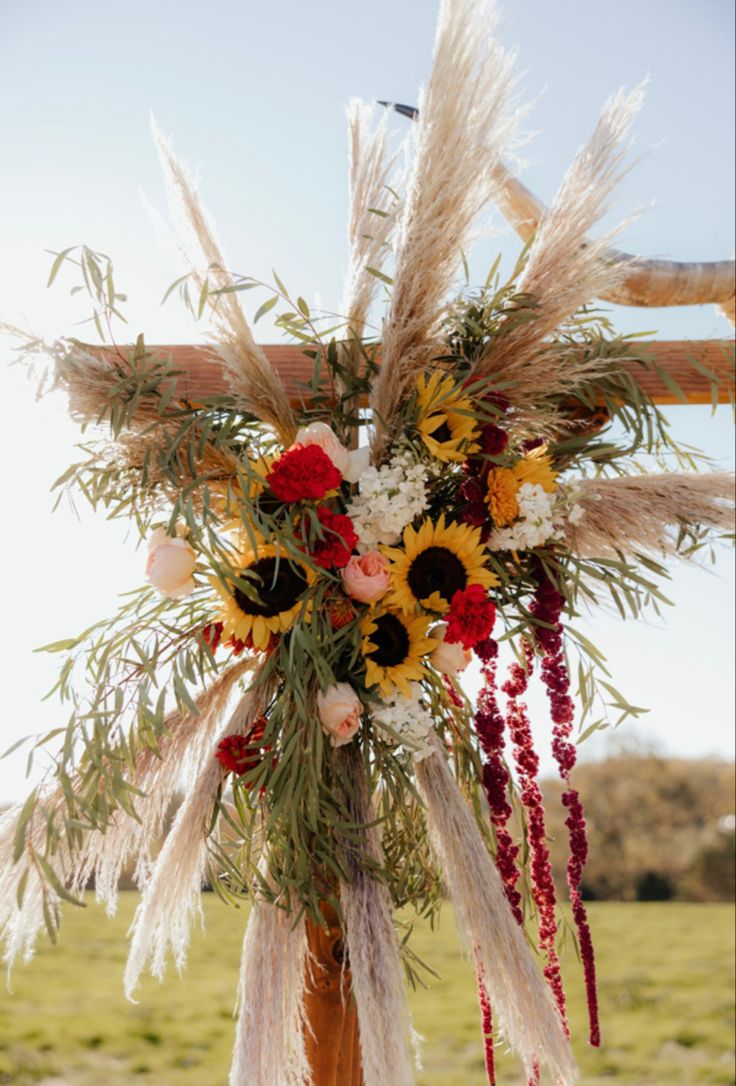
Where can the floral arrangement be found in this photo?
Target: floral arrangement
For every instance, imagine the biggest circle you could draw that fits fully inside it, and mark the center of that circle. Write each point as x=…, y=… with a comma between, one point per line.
x=321, y=570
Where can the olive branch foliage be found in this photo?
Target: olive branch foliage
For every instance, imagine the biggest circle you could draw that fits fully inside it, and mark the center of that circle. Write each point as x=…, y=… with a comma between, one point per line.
x=159, y=459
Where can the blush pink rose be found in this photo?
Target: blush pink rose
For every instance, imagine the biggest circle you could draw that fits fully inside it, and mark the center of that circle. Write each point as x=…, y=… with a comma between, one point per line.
x=366, y=577
x=340, y=710
x=449, y=658
x=170, y=564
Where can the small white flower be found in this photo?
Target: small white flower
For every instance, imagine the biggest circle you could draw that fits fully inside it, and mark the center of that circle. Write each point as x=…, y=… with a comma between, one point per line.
x=407, y=719
x=391, y=497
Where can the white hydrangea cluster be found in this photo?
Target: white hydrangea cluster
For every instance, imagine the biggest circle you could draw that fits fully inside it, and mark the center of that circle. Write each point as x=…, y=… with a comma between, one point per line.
x=390, y=498
x=407, y=718
x=542, y=517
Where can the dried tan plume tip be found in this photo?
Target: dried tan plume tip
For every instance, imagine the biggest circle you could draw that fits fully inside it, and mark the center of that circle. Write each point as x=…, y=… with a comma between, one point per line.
x=643, y=514
x=564, y=269
x=466, y=120
x=643, y=281
x=251, y=376
x=372, y=210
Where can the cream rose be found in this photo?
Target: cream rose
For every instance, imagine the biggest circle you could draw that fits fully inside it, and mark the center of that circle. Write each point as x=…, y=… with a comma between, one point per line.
x=449, y=658
x=366, y=576
x=351, y=463
x=358, y=460
x=170, y=564
x=319, y=433
x=339, y=710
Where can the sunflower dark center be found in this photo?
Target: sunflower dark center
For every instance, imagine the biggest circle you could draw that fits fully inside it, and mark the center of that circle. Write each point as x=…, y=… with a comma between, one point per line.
x=279, y=587
x=443, y=433
x=436, y=569
x=268, y=503
x=391, y=639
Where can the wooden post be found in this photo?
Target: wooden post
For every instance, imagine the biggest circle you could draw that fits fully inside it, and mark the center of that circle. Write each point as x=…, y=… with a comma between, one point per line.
x=333, y=1041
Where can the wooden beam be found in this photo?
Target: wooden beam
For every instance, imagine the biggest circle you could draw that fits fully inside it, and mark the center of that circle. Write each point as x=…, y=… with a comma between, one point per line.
x=683, y=360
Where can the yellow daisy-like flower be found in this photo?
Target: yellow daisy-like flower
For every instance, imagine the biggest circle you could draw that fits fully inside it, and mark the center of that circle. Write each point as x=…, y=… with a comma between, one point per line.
x=501, y=496
x=536, y=468
x=273, y=602
x=434, y=563
x=394, y=647
x=445, y=418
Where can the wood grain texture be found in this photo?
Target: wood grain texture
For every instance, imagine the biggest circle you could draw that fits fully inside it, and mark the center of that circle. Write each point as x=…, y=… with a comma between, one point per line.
x=683, y=360
x=333, y=1041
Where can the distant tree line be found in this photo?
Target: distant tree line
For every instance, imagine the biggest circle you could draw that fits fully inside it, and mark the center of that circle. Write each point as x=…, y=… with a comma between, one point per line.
x=659, y=828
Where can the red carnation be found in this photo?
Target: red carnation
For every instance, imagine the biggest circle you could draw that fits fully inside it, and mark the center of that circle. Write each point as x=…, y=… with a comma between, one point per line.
x=471, y=616
x=340, y=612
x=303, y=472
x=339, y=539
x=212, y=634
x=241, y=753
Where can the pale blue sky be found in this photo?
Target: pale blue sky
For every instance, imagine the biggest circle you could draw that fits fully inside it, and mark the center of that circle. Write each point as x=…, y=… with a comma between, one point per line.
x=253, y=95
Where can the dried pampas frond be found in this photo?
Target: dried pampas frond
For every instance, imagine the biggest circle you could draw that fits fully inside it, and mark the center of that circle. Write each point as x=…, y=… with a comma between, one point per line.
x=158, y=475
x=22, y=917
x=187, y=739
x=92, y=378
x=643, y=514
x=526, y=1012
x=466, y=120
x=250, y=374
x=378, y=985
x=270, y=1045
x=372, y=215
x=564, y=269
x=172, y=897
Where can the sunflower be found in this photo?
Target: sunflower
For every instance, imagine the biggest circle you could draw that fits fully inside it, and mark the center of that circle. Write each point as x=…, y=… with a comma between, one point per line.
x=445, y=418
x=393, y=649
x=248, y=493
x=271, y=605
x=434, y=563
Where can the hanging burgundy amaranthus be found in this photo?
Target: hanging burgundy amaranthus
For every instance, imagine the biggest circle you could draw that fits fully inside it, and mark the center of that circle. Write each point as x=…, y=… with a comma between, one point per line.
x=547, y=608
x=527, y=763
x=489, y=726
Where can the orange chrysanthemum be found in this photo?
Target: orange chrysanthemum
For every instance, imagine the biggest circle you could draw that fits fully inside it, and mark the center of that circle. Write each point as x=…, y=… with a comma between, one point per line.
x=501, y=496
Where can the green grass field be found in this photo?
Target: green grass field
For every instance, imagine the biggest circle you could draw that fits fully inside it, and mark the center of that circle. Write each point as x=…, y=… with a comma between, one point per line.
x=666, y=1000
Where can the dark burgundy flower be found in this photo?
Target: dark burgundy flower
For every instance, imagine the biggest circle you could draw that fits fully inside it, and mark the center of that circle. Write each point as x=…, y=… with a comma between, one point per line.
x=493, y=440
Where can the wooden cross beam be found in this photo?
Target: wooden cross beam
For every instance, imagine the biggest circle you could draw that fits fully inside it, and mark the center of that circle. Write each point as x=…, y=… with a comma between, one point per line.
x=690, y=365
